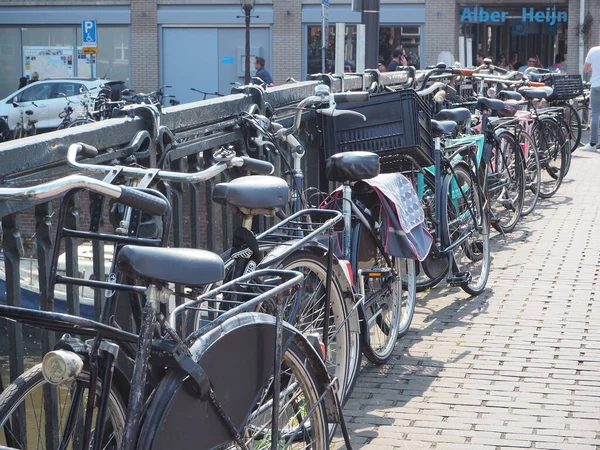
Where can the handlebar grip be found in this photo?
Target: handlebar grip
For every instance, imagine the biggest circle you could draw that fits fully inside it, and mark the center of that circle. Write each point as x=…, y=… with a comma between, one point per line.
x=346, y=97
x=258, y=166
x=141, y=200
x=465, y=72
x=86, y=150
x=537, y=84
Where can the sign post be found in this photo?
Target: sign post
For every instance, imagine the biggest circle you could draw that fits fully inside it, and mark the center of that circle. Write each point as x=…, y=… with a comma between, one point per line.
x=324, y=37
x=89, y=37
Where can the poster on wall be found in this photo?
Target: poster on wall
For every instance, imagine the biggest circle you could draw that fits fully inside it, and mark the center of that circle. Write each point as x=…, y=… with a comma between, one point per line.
x=84, y=64
x=48, y=62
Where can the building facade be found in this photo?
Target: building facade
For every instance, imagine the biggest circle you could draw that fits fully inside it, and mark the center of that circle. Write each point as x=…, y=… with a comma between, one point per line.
x=201, y=44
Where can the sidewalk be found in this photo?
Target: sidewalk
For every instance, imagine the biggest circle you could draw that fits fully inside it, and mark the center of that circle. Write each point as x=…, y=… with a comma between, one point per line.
x=516, y=367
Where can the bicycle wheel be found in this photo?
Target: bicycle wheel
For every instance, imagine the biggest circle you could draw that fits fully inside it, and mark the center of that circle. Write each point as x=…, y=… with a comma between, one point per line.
x=574, y=122
x=79, y=122
x=564, y=127
x=26, y=394
x=583, y=112
x=506, y=183
x=306, y=311
x=532, y=172
x=466, y=228
x=384, y=297
x=435, y=266
x=408, y=271
x=551, y=147
x=175, y=415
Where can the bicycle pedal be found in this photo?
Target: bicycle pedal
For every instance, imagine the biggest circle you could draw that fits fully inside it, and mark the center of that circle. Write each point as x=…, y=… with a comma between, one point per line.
x=459, y=279
x=375, y=272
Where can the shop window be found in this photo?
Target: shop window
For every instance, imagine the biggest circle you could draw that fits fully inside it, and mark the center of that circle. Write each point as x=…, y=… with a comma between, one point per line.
x=112, y=60
x=314, y=63
x=10, y=60
x=408, y=37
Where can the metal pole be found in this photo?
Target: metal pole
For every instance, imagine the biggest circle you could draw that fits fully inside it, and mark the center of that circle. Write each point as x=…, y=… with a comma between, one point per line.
x=247, y=10
x=340, y=40
x=360, y=48
x=324, y=37
x=370, y=17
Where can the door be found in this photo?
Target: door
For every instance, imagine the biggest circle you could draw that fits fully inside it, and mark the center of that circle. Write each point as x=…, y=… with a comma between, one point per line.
x=189, y=61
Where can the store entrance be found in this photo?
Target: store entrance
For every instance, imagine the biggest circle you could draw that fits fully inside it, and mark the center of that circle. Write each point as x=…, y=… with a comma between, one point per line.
x=531, y=31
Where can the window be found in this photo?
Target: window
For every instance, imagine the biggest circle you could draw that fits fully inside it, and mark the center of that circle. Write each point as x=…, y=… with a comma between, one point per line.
x=69, y=89
x=37, y=91
x=408, y=37
x=314, y=63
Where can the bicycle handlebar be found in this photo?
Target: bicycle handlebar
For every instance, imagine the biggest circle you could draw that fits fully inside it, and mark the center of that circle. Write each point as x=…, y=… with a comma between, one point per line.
x=227, y=160
x=126, y=195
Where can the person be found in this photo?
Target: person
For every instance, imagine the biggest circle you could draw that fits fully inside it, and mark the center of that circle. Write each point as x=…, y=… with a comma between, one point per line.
x=381, y=67
x=261, y=72
x=532, y=61
x=558, y=63
x=398, y=59
x=592, y=63
x=22, y=82
x=514, y=60
x=503, y=63
x=480, y=57
x=34, y=77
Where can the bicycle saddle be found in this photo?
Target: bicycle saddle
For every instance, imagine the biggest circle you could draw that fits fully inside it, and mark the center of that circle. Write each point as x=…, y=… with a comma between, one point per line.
x=456, y=115
x=490, y=103
x=443, y=127
x=29, y=112
x=253, y=192
x=542, y=92
x=509, y=95
x=352, y=166
x=187, y=266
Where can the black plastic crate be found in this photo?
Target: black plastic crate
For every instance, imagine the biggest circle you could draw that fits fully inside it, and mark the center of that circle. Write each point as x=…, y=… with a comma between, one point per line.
x=565, y=87
x=398, y=128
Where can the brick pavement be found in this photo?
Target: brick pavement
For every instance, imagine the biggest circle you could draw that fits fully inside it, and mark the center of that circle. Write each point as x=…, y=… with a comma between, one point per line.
x=516, y=367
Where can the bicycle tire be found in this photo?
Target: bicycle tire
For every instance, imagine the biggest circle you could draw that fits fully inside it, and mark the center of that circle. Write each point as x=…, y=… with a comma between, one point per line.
x=463, y=211
x=382, y=315
x=312, y=266
x=409, y=302
x=583, y=112
x=79, y=122
x=165, y=413
x=532, y=172
x=506, y=197
x=565, y=129
x=575, y=129
x=435, y=266
x=551, y=149
x=31, y=383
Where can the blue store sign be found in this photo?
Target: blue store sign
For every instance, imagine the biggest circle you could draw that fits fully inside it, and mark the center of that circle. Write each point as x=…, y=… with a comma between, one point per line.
x=479, y=14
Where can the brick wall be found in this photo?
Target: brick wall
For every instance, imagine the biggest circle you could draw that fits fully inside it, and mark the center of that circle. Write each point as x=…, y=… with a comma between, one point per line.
x=144, y=45
x=287, y=40
x=441, y=30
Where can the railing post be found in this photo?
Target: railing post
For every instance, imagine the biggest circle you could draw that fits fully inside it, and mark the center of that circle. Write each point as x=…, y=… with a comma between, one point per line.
x=11, y=241
x=72, y=256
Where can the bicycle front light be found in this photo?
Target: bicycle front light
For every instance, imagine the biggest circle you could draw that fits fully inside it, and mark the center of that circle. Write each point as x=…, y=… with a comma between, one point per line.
x=61, y=366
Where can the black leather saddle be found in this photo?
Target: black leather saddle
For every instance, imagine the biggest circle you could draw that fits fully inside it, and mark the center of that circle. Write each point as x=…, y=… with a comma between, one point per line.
x=490, y=103
x=187, y=266
x=509, y=95
x=542, y=92
x=352, y=166
x=459, y=115
x=443, y=127
x=29, y=112
x=261, y=193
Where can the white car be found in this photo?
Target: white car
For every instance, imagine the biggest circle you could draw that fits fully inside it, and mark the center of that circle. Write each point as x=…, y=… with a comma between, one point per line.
x=45, y=100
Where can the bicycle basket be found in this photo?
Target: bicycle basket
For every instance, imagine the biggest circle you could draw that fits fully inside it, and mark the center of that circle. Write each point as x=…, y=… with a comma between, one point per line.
x=397, y=128
x=565, y=87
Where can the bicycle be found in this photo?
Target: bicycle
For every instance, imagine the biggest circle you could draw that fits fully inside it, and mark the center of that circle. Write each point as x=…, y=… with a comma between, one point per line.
x=65, y=115
x=26, y=125
x=192, y=366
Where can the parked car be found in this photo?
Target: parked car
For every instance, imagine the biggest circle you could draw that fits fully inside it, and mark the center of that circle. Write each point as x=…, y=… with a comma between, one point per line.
x=44, y=98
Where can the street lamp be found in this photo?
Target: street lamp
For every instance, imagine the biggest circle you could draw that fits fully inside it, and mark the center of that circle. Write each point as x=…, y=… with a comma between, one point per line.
x=247, y=7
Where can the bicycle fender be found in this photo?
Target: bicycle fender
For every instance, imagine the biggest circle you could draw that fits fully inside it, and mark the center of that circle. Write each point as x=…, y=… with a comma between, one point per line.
x=339, y=273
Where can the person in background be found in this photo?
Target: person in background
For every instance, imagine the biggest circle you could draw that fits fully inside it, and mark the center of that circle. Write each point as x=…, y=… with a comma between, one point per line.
x=532, y=61
x=261, y=72
x=381, y=67
x=514, y=61
x=558, y=63
x=503, y=63
x=34, y=77
x=398, y=59
x=479, y=58
x=592, y=63
x=22, y=82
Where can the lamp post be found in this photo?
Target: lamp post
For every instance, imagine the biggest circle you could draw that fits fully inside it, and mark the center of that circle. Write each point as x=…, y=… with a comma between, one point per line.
x=247, y=7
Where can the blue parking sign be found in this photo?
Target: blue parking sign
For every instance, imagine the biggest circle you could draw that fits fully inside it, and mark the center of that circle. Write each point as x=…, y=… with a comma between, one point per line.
x=89, y=35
